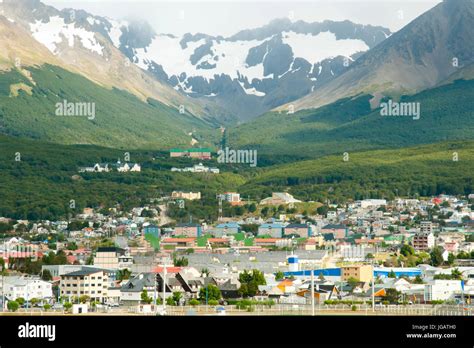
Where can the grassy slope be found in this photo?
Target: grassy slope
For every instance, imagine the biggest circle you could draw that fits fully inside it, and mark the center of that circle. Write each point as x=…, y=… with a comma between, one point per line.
x=350, y=125
x=122, y=120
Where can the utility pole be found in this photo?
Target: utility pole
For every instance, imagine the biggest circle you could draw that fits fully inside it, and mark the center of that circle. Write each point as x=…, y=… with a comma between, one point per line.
x=373, y=289
x=154, y=292
x=3, y=276
x=164, y=287
x=312, y=290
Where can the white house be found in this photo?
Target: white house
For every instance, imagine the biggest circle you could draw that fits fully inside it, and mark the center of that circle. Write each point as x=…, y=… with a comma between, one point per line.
x=442, y=290
x=128, y=167
x=27, y=288
x=197, y=168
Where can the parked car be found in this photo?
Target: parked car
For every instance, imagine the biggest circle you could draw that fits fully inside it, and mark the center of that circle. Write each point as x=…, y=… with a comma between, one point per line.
x=220, y=310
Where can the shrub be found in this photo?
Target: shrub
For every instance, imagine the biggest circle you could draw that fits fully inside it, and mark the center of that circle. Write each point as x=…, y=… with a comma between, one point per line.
x=194, y=302
x=67, y=306
x=13, y=306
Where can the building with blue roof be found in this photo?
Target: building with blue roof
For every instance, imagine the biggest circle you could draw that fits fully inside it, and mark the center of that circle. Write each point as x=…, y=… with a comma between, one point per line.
x=271, y=229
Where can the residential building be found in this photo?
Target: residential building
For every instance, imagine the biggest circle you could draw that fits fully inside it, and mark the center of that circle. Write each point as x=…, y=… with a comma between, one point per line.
x=188, y=230
x=301, y=230
x=232, y=197
x=127, y=167
x=274, y=230
x=198, y=153
x=191, y=196
x=197, y=168
x=423, y=241
x=363, y=273
x=426, y=227
x=169, y=243
x=339, y=231
x=442, y=290
x=108, y=257
x=226, y=229
x=88, y=281
x=26, y=287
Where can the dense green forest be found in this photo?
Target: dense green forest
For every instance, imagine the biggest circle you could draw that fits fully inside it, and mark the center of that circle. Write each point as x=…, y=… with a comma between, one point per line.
x=350, y=125
x=38, y=180
x=45, y=179
x=415, y=171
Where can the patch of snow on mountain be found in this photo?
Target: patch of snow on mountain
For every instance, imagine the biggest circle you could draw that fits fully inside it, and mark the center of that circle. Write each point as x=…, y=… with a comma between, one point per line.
x=227, y=56
x=251, y=91
x=115, y=31
x=56, y=30
x=316, y=48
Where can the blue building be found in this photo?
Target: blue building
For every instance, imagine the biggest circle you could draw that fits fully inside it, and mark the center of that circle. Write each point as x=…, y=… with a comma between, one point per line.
x=274, y=229
x=151, y=230
x=226, y=229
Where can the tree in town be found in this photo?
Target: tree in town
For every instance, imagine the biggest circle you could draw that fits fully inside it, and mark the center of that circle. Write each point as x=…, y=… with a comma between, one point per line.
x=352, y=282
x=34, y=301
x=210, y=292
x=451, y=259
x=392, y=296
x=418, y=280
x=180, y=262
x=177, y=297
x=46, y=307
x=71, y=246
x=322, y=210
x=249, y=282
x=124, y=274
x=279, y=275
x=20, y=300
x=252, y=208
x=392, y=274
x=46, y=275
x=145, y=298
x=407, y=250
x=456, y=274
x=84, y=298
x=436, y=256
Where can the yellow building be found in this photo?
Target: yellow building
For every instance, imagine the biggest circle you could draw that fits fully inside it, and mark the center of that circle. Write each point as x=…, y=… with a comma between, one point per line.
x=363, y=273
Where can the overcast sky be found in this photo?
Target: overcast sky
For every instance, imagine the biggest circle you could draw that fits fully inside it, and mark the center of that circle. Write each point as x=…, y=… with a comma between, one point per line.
x=225, y=17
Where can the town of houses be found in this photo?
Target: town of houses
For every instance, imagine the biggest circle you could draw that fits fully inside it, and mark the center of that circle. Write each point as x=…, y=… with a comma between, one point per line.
x=400, y=252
